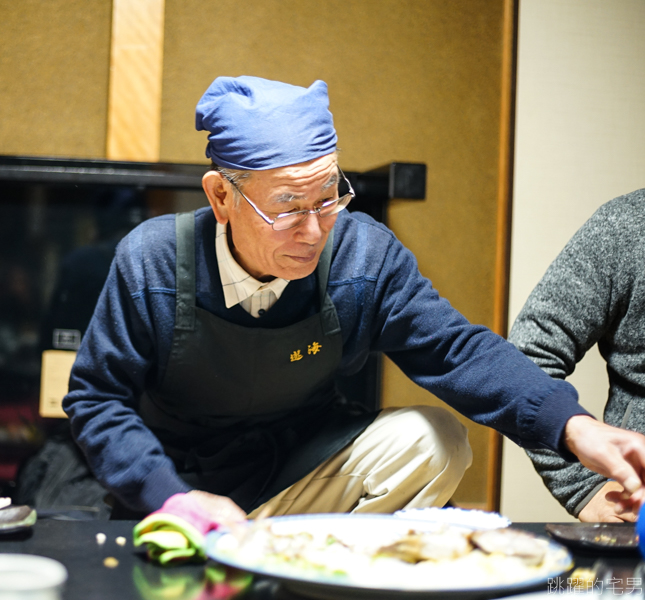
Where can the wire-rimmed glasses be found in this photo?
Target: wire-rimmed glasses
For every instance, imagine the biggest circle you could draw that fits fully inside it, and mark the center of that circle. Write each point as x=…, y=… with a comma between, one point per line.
x=293, y=219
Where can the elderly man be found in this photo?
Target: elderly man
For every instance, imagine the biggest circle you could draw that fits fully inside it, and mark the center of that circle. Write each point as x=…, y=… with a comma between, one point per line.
x=208, y=367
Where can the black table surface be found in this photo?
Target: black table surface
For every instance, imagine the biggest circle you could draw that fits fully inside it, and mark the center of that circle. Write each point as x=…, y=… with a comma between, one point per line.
x=74, y=544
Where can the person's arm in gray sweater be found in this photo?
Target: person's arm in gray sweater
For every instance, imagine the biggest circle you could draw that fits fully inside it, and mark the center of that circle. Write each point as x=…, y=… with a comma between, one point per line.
x=572, y=307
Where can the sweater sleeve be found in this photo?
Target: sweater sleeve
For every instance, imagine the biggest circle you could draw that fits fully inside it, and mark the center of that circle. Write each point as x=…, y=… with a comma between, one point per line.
x=110, y=373
x=468, y=366
x=566, y=314
x=571, y=484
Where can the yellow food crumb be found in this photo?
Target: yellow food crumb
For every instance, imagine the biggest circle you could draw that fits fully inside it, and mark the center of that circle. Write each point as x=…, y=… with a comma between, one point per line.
x=110, y=562
x=100, y=538
x=121, y=541
x=582, y=577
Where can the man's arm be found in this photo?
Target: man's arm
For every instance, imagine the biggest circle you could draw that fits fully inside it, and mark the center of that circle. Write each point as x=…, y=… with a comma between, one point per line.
x=117, y=359
x=570, y=310
x=571, y=307
x=467, y=366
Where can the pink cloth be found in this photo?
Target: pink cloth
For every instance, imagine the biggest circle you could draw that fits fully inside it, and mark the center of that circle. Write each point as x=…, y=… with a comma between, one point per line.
x=190, y=510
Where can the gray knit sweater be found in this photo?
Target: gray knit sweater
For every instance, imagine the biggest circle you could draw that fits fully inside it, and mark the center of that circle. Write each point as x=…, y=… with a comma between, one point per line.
x=593, y=292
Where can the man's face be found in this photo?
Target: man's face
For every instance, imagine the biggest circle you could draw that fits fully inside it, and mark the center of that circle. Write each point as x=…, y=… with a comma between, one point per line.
x=293, y=253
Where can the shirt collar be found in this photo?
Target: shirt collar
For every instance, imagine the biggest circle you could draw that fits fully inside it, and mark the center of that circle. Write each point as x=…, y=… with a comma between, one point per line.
x=237, y=284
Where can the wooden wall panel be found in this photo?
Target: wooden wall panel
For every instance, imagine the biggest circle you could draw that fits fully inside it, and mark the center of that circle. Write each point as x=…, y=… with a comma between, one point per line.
x=136, y=61
x=54, y=62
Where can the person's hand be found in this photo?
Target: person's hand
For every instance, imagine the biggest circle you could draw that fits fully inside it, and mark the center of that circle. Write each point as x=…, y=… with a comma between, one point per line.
x=615, y=453
x=220, y=508
x=177, y=531
x=606, y=507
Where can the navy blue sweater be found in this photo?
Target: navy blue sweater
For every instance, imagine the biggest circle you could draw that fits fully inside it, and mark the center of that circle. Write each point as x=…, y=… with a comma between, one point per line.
x=384, y=304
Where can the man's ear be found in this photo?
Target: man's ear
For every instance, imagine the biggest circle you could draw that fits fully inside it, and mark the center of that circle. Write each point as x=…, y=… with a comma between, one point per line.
x=219, y=194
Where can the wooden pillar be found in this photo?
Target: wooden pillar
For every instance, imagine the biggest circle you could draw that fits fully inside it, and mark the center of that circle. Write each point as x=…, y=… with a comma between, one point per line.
x=504, y=205
x=136, y=62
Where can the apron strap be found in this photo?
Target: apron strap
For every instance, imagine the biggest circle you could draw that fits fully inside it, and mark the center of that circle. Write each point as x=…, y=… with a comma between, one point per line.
x=328, y=314
x=185, y=303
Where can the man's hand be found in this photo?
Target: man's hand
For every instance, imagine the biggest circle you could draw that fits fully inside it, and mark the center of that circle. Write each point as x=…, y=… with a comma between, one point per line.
x=177, y=531
x=220, y=508
x=605, y=506
x=615, y=453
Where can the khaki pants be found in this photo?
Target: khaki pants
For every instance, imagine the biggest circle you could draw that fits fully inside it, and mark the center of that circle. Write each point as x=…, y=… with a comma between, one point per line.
x=407, y=458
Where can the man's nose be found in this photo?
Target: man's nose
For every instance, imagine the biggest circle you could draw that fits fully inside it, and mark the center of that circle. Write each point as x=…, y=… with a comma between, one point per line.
x=309, y=230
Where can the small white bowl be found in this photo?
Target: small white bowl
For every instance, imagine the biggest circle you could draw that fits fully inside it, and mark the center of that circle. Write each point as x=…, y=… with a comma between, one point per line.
x=30, y=577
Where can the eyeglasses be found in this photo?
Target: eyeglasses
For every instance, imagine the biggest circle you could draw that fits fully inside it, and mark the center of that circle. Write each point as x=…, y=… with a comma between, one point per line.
x=293, y=219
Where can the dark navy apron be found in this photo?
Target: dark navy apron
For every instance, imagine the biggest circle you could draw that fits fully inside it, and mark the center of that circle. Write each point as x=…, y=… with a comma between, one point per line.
x=245, y=412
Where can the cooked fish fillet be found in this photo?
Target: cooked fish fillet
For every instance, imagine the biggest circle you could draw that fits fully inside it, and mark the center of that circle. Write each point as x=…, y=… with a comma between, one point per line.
x=511, y=542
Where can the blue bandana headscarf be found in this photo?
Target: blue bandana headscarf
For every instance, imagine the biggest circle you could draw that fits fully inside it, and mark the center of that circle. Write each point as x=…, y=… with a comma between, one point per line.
x=257, y=124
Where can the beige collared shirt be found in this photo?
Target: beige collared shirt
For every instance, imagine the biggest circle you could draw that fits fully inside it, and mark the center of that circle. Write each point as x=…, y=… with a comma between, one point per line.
x=239, y=287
